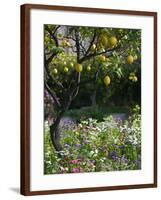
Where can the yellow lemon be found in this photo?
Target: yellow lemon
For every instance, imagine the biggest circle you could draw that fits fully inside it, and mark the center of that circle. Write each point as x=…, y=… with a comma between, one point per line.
x=130, y=59
x=103, y=40
x=135, y=79
x=113, y=41
x=71, y=64
x=102, y=58
x=107, y=80
x=93, y=47
x=66, y=69
x=79, y=67
x=130, y=77
x=88, y=68
x=55, y=71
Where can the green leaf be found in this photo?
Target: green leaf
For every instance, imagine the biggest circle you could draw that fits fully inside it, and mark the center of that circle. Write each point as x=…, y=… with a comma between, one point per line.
x=57, y=50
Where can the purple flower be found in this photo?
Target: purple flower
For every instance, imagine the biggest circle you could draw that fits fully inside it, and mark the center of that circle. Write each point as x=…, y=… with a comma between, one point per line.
x=74, y=161
x=113, y=155
x=124, y=159
x=119, y=120
x=121, y=147
x=78, y=145
x=75, y=170
x=67, y=145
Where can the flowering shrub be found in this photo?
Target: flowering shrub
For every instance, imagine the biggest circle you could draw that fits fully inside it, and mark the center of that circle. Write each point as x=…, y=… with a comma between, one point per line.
x=94, y=146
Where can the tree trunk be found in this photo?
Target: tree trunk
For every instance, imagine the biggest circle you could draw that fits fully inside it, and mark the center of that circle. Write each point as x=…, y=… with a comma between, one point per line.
x=93, y=98
x=55, y=133
x=54, y=128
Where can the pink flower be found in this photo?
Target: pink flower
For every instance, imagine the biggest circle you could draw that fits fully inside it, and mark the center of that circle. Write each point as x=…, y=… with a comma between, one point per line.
x=75, y=170
x=74, y=161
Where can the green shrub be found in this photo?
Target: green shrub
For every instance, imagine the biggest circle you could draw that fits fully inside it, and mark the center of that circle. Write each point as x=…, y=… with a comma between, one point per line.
x=96, y=112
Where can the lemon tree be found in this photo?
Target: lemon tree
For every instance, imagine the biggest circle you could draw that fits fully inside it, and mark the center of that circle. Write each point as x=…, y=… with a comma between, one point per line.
x=87, y=61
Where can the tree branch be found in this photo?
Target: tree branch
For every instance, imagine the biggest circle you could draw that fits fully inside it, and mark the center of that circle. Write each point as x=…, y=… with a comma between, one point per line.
x=51, y=79
x=56, y=29
x=50, y=58
x=53, y=35
x=76, y=89
x=91, y=43
x=97, y=73
x=108, y=51
x=77, y=45
x=83, y=50
x=53, y=95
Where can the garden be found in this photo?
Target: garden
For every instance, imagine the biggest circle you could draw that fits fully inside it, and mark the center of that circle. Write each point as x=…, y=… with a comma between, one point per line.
x=92, y=99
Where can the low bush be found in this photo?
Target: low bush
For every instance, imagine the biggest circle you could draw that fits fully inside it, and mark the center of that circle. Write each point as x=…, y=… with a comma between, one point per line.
x=94, y=146
x=96, y=112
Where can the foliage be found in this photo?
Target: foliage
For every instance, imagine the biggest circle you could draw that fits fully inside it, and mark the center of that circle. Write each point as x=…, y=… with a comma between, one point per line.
x=102, y=52
x=96, y=112
x=94, y=146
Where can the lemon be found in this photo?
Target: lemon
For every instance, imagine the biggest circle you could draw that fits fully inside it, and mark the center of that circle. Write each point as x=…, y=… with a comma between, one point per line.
x=135, y=79
x=93, y=47
x=71, y=64
x=103, y=40
x=66, y=69
x=79, y=67
x=55, y=71
x=102, y=58
x=130, y=77
x=113, y=41
x=107, y=80
x=130, y=59
x=88, y=68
